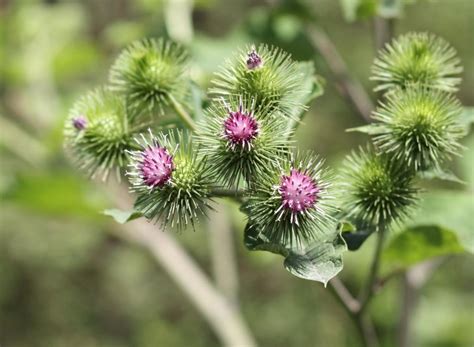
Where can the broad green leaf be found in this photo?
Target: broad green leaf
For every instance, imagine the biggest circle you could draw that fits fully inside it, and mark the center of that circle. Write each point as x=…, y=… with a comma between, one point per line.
x=450, y=210
x=320, y=261
x=418, y=244
x=255, y=242
x=121, y=216
x=58, y=194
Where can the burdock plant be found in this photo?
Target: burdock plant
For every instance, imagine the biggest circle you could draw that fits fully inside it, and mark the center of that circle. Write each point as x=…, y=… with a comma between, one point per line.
x=243, y=147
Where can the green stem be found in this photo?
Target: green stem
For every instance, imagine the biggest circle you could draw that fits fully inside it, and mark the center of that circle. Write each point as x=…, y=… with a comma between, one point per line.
x=183, y=114
x=368, y=291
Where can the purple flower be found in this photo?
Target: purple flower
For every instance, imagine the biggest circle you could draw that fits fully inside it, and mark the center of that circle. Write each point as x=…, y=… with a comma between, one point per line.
x=79, y=122
x=156, y=166
x=253, y=60
x=240, y=128
x=298, y=191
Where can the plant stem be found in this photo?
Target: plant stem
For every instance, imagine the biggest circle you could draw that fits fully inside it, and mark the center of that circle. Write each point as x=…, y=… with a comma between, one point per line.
x=227, y=193
x=351, y=305
x=225, y=319
x=368, y=291
x=183, y=114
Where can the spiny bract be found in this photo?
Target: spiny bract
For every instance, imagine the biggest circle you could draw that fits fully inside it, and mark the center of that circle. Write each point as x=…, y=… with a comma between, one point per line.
x=293, y=205
x=242, y=142
x=417, y=58
x=266, y=74
x=150, y=73
x=98, y=132
x=171, y=183
x=377, y=189
x=419, y=126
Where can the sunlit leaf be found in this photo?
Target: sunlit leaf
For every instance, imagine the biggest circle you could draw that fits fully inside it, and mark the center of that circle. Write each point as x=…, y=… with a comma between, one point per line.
x=418, y=244
x=121, y=216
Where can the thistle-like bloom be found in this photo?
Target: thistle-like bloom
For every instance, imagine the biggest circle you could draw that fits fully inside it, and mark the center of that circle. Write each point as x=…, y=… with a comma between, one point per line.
x=149, y=73
x=417, y=58
x=156, y=166
x=419, y=126
x=378, y=189
x=254, y=60
x=298, y=191
x=171, y=183
x=241, y=142
x=269, y=76
x=240, y=128
x=99, y=142
x=79, y=122
x=292, y=206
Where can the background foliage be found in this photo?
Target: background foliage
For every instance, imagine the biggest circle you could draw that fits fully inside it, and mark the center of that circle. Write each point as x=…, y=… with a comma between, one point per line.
x=66, y=280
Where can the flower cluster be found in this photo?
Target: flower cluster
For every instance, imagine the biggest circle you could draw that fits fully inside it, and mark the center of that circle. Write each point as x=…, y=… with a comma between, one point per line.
x=242, y=143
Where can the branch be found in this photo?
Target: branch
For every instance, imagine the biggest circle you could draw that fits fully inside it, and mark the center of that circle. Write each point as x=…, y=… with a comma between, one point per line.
x=350, y=304
x=350, y=88
x=368, y=292
x=383, y=31
x=223, y=317
x=182, y=113
x=413, y=280
x=224, y=261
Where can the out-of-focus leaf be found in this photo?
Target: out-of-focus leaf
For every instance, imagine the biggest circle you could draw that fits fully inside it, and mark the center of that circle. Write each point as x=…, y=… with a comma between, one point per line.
x=320, y=261
x=58, y=194
x=355, y=233
x=418, y=244
x=450, y=210
x=441, y=175
x=287, y=27
x=121, y=216
x=371, y=129
x=467, y=118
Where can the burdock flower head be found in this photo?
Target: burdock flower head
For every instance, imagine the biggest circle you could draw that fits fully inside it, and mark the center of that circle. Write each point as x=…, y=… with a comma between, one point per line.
x=417, y=58
x=267, y=75
x=293, y=205
x=240, y=128
x=241, y=142
x=253, y=59
x=149, y=73
x=156, y=166
x=97, y=132
x=172, y=185
x=378, y=189
x=419, y=126
x=79, y=122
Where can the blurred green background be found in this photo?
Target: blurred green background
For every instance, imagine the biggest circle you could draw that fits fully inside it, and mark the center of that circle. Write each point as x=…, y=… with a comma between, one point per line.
x=66, y=281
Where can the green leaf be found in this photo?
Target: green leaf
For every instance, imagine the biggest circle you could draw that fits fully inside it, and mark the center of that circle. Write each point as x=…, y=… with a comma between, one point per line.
x=121, y=216
x=441, y=175
x=370, y=129
x=255, y=242
x=450, y=210
x=467, y=118
x=58, y=194
x=418, y=244
x=319, y=262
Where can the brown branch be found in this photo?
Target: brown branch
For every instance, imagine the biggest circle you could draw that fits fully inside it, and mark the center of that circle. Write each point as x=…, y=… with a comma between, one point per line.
x=350, y=88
